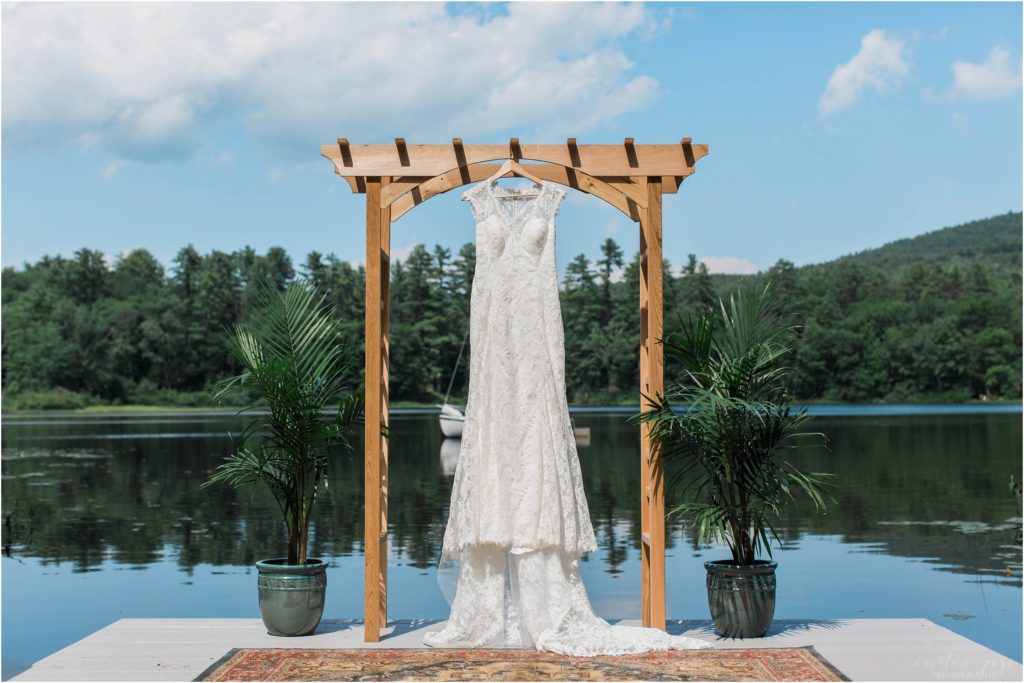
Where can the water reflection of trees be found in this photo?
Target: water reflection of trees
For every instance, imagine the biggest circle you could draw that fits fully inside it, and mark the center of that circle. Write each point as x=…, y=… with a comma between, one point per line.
x=930, y=487
x=115, y=492
x=910, y=484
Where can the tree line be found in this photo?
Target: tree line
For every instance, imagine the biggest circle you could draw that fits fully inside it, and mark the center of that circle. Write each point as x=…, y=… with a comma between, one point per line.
x=82, y=330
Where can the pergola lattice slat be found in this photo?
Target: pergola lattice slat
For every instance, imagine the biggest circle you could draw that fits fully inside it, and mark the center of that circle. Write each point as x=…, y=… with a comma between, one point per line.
x=398, y=177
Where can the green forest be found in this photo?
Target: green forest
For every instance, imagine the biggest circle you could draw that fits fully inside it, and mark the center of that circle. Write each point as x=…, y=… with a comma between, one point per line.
x=935, y=318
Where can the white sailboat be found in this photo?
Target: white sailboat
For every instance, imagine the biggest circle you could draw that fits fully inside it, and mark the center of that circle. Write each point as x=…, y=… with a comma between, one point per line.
x=453, y=419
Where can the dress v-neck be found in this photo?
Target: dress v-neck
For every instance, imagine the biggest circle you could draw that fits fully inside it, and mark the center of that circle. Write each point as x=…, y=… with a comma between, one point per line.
x=508, y=219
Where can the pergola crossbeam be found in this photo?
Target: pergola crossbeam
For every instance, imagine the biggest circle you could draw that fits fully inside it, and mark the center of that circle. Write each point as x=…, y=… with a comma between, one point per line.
x=597, y=160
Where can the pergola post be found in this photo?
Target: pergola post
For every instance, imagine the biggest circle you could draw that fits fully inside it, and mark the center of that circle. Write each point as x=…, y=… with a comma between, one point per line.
x=652, y=382
x=375, y=522
x=396, y=178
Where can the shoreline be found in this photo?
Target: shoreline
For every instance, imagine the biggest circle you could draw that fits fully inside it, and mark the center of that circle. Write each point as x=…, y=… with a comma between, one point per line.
x=817, y=409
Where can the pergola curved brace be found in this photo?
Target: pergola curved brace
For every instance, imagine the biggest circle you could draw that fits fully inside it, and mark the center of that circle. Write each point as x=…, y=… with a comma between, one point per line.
x=404, y=194
x=464, y=175
x=395, y=178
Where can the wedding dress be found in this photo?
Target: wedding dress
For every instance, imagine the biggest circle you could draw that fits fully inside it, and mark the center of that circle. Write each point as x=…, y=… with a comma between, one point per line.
x=518, y=520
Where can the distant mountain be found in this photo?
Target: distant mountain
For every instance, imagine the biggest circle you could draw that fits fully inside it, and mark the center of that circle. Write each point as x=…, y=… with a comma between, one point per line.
x=996, y=239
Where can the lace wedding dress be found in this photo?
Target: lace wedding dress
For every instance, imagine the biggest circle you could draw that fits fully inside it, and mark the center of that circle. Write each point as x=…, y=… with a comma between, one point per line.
x=518, y=520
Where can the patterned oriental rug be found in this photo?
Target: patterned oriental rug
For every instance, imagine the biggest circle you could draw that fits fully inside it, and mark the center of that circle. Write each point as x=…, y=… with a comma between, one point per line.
x=452, y=664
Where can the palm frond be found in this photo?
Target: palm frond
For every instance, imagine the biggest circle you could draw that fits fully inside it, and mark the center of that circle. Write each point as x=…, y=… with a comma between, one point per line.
x=725, y=424
x=295, y=359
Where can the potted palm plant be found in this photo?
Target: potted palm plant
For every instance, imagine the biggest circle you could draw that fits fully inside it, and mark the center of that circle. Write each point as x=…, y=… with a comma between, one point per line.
x=735, y=423
x=297, y=363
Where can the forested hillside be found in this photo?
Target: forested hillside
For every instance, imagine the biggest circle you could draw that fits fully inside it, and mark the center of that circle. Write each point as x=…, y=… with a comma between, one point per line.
x=996, y=239
x=933, y=318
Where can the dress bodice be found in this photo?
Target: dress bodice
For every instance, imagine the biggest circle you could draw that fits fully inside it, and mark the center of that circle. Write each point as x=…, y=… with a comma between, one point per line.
x=510, y=225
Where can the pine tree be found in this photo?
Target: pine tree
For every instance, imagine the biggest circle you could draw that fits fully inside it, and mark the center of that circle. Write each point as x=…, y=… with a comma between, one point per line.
x=611, y=258
x=316, y=270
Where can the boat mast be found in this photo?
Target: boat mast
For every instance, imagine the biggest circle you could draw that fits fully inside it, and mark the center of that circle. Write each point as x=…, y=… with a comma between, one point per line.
x=457, y=360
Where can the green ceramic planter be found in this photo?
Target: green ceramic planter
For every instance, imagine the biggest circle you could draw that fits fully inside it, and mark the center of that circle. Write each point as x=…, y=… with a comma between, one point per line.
x=741, y=597
x=291, y=595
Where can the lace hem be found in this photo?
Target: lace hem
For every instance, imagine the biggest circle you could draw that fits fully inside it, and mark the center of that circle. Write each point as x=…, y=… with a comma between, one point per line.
x=537, y=600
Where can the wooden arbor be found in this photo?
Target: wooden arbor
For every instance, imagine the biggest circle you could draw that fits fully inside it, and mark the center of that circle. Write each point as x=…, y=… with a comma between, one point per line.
x=395, y=178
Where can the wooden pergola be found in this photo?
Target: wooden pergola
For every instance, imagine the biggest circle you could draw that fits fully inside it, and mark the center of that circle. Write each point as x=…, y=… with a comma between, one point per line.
x=395, y=178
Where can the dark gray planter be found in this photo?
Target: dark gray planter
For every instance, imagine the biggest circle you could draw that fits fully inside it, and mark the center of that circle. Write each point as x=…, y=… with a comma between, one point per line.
x=741, y=597
x=291, y=595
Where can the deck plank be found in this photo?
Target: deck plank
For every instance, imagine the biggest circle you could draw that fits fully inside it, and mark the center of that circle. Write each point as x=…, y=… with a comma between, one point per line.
x=180, y=649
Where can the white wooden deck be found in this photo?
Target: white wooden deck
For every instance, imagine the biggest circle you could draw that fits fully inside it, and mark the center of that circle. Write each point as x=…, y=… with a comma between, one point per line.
x=181, y=649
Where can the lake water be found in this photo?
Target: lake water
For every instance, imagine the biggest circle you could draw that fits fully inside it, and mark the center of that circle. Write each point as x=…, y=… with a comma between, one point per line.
x=103, y=519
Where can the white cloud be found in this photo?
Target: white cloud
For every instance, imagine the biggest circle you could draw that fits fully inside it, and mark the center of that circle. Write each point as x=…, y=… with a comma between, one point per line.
x=140, y=79
x=111, y=169
x=289, y=171
x=728, y=264
x=688, y=13
x=402, y=253
x=992, y=79
x=878, y=65
x=397, y=254
x=611, y=228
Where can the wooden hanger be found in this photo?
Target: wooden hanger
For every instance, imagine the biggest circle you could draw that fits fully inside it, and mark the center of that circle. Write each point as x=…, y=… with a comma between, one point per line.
x=513, y=166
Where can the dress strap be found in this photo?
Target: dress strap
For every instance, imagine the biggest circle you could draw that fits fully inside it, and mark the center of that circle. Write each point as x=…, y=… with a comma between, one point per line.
x=481, y=202
x=552, y=200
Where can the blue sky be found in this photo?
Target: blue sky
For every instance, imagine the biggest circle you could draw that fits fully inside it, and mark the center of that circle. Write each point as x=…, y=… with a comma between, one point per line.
x=832, y=127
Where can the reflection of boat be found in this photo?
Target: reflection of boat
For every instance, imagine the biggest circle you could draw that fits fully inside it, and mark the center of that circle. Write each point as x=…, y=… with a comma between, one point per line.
x=582, y=434
x=450, y=455
x=452, y=421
